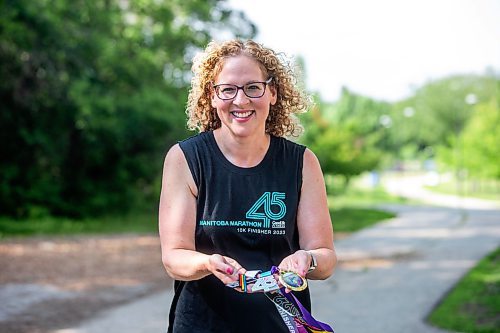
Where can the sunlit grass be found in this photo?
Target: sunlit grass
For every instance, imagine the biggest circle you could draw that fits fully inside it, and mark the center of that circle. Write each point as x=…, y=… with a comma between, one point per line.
x=355, y=207
x=356, y=196
x=473, y=306
x=481, y=189
x=353, y=219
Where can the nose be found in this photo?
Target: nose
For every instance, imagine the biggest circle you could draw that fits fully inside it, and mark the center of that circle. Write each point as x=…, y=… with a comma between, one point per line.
x=240, y=98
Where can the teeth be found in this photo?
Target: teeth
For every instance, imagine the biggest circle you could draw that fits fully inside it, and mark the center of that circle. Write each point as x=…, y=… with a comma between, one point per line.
x=242, y=114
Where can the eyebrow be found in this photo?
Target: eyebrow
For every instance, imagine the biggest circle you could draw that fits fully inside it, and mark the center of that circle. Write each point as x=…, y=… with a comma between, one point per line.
x=248, y=82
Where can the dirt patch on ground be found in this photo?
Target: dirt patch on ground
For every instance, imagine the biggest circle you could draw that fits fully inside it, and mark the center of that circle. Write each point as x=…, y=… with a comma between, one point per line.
x=357, y=263
x=52, y=283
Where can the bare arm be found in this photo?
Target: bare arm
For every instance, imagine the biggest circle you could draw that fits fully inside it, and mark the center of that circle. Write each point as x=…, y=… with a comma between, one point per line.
x=177, y=224
x=314, y=224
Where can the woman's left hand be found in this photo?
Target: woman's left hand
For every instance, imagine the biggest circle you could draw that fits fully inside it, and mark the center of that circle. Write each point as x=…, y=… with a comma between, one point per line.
x=297, y=262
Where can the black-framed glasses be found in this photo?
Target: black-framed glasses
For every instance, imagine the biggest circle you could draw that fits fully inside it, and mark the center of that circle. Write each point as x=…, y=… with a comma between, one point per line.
x=251, y=90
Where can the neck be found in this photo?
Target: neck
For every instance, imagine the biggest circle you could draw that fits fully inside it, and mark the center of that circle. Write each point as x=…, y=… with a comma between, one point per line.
x=245, y=152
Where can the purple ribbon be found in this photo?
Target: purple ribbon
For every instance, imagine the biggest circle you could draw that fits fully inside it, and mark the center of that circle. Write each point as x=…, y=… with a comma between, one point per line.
x=290, y=307
x=308, y=318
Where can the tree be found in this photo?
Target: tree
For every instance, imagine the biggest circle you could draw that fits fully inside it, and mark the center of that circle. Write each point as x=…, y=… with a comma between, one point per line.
x=346, y=136
x=481, y=141
x=437, y=111
x=92, y=95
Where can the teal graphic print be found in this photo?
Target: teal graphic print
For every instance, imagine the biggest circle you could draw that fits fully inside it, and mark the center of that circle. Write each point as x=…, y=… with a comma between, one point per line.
x=261, y=209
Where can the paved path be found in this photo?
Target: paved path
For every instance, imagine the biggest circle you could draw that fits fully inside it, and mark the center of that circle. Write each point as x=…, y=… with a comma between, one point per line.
x=147, y=315
x=421, y=255
x=390, y=277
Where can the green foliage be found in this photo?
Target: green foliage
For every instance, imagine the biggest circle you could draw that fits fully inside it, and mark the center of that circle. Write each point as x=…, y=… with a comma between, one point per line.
x=475, y=151
x=481, y=141
x=93, y=94
x=347, y=136
x=474, y=304
x=342, y=150
x=438, y=111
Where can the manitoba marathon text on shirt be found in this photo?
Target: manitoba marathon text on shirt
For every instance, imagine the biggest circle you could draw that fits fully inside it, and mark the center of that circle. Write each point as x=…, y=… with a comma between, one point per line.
x=261, y=218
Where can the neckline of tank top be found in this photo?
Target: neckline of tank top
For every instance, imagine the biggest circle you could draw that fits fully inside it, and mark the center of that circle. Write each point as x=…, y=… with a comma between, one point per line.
x=242, y=170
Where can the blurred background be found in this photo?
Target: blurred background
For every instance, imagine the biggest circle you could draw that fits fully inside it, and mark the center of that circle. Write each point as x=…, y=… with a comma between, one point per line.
x=93, y=94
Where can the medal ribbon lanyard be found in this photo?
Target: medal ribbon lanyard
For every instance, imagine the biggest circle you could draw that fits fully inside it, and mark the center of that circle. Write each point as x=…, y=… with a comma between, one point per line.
x=294, y=314
x=292, y=311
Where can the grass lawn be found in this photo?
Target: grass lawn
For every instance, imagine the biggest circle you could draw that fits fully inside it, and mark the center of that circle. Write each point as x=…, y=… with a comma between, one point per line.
x=473, y=306
x=351, y=210
x=351, y=219
x=481, y=189
x=133, y=223
x=345, y=219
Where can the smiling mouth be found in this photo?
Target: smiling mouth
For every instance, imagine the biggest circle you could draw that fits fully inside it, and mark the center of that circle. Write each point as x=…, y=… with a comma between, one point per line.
x=242, y=115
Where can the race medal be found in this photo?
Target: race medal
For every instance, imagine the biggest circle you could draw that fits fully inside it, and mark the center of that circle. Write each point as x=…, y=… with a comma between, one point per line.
x=265, y=284
x=292, y=281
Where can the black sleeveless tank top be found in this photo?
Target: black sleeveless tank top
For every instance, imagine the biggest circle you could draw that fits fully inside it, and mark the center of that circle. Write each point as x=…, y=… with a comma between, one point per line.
x=248, y=214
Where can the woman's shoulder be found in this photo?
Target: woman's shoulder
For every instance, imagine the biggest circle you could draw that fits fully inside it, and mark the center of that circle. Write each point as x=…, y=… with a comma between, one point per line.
x=183, y=148
x=293, y=148
x=289, y=145
x=195, y=139
x=197, y=142
x=174, y=154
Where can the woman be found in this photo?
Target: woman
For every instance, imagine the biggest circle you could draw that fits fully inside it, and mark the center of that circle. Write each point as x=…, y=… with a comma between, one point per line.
x=239, y=196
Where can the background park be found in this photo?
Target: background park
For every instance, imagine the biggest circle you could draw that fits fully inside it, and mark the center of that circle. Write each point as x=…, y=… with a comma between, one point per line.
x=92, y=96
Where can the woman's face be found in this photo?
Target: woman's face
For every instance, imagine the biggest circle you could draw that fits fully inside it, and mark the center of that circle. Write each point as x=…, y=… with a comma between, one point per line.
x=242, y=115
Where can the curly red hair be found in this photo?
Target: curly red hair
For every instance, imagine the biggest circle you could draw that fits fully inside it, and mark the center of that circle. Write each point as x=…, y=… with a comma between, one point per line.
x=291, y=100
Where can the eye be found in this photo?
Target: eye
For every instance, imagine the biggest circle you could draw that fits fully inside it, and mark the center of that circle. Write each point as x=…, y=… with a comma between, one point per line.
x=227, y=89
x=253, y=86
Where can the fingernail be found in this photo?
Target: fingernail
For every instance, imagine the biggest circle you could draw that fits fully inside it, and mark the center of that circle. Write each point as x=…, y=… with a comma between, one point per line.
x=229, y=270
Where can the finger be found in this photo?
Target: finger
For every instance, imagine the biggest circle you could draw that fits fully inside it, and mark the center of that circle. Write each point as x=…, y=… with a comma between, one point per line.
x=236, y=267
x=221, y=265
x=228, y=272
x=226, y=279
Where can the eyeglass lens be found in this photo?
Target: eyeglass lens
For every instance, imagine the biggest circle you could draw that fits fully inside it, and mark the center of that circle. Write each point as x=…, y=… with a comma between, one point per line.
x=252, y=90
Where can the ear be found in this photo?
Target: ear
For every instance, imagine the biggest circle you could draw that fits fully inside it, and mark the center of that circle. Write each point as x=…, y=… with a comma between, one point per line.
x=274, y=94
x=213, y=98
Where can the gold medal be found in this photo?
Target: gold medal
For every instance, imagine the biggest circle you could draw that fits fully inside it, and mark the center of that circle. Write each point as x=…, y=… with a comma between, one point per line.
x=292, y=280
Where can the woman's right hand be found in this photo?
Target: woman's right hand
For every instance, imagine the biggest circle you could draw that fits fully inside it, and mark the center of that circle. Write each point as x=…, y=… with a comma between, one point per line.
x=224, y=268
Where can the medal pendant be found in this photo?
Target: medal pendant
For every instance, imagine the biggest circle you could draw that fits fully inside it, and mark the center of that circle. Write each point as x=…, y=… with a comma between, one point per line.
x=292, y=280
